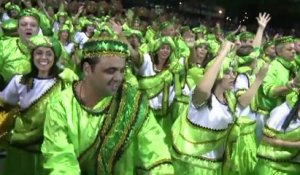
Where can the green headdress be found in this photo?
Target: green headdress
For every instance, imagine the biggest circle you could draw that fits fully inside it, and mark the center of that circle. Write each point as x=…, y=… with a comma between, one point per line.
x=230, y=36
x=245, y=36
x=84, y=22
x=165, y=25
x=10, y=27
x=65, y=28
x=200, y=29
x=43, y=41
x=30, y=12
x=101, y=47
x=203, y=42
x=104, y=27
x=284, y=40
x=129, y=31
x=184, y=29
x=229, y=63
x=268, y=44
x=58, y=14
x=9, y=6
x=163, y=40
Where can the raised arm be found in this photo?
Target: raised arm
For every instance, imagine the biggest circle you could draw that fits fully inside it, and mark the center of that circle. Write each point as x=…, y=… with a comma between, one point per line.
x=262, y=20
x=203, y=89
x=134, y=54
x=245, y=99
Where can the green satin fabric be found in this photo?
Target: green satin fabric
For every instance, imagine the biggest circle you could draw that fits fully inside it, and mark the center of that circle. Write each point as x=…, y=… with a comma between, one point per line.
x=154, y=85
x=190, y=142
x=278, y=159
x=15, y=58
x=244, y=152
x=23, y=154
x=194, y=76
x=196, y=140
x=75, y=136
x=182, y=48
x=279, y=153
x=266, y=167
x=267, y=100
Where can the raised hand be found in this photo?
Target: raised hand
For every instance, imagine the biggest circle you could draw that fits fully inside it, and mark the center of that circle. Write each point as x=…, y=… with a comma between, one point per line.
x=263, y=19
x=117, y=27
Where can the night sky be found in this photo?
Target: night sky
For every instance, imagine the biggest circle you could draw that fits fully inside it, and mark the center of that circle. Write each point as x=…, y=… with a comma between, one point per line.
x=285, y=13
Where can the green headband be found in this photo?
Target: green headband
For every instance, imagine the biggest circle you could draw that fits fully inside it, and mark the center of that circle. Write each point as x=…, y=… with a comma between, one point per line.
x=165, y=25
x=245, y=36
x=284, y=40
x=268, y=44
x=200, y=29
x=100, y=47
x=43, y=41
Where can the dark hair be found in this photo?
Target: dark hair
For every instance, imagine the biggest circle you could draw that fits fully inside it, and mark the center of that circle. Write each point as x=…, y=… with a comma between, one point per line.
x=92, y=61
x=84, y=28
x=27, y=79
x=155, y=59
x=208, y=57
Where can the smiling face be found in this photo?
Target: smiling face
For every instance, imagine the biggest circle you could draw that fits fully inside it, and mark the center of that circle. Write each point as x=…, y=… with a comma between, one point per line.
x=106, y=76
x=164, y=52
x=43, y=59
x=28, y=27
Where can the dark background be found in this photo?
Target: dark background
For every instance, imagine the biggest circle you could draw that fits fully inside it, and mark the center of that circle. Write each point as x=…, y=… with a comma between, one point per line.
x=285, y=13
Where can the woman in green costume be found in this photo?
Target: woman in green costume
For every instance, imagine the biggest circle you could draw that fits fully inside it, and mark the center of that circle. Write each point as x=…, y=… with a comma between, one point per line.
x=200, y=56
x=159, y=75
x=31, y=92
x=279, y=150
x=208, y=136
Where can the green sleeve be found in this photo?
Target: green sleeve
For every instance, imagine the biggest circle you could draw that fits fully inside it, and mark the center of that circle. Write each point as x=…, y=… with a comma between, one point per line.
x=273, y=80
x=58, y=153
x=153, y=153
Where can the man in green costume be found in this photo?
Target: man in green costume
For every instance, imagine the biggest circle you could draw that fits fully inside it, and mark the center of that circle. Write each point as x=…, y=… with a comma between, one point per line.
x=281, y=78
x=14, y=54
x=102, y=125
